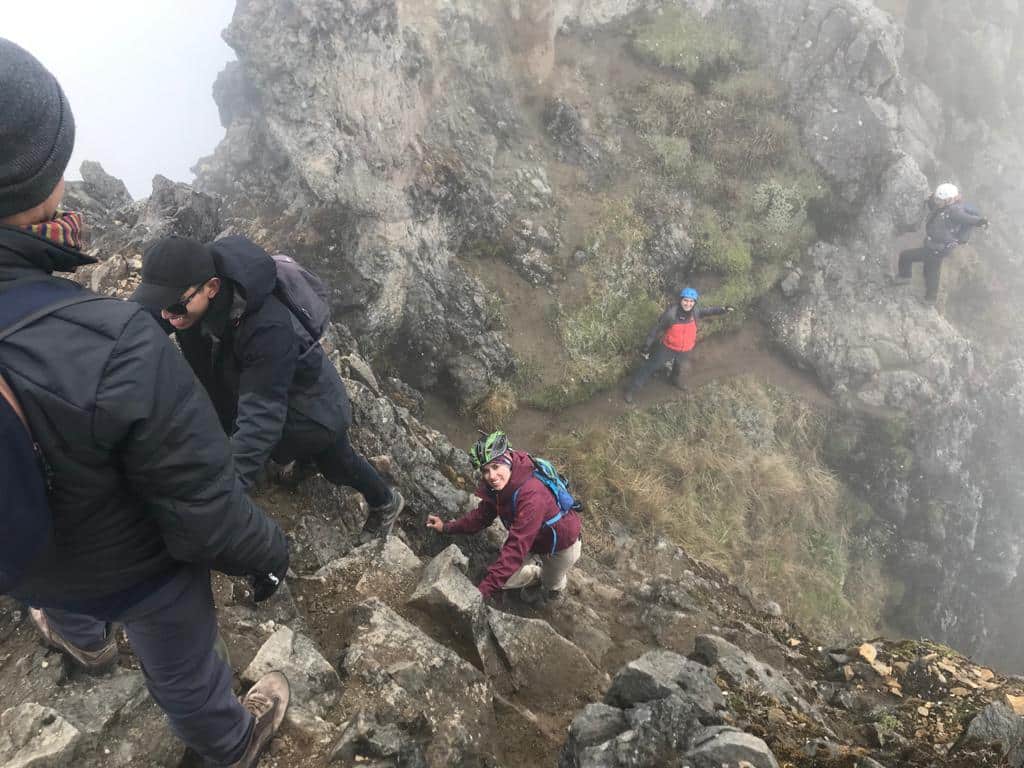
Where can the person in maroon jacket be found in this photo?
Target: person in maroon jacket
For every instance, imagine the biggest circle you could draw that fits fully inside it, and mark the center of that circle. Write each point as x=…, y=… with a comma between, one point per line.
x=543, y=543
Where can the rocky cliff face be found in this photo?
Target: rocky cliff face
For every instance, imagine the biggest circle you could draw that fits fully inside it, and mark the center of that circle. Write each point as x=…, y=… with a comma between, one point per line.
x=379, y=138
x=926, y=104
x=651, y=658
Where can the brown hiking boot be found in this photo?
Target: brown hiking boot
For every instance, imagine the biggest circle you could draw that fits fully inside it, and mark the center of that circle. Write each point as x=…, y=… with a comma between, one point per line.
x=92, y=662
x=267, y=700
x=382, y=519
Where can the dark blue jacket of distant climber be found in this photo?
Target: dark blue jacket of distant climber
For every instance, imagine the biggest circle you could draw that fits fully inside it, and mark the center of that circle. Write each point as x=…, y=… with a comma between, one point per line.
x=138, y=483
x=949, y=226
x=265, y=375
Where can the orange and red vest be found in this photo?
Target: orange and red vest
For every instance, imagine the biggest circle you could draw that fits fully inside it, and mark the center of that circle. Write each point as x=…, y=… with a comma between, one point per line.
x=681, y=336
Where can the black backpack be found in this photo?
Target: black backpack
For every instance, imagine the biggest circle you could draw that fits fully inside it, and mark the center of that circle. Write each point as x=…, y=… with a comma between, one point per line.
x=25, y=517
x=304, y=294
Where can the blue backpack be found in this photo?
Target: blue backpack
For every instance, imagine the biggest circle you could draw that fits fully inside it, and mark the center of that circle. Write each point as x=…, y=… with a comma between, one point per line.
x=25, y=517
x=555, y=482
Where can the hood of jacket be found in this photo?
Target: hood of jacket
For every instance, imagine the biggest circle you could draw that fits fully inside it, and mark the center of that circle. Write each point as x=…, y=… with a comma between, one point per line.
x=24, y=253
x=248, y=266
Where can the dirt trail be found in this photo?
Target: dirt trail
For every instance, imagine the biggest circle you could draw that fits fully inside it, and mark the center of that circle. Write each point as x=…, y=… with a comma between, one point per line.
x=747, y=352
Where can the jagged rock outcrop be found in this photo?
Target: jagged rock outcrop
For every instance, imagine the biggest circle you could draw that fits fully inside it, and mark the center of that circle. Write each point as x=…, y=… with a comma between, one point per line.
x=874, y=128
x=379, y=140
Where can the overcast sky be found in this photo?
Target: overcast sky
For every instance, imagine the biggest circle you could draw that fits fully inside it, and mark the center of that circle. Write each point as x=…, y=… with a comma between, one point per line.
x=138, y=75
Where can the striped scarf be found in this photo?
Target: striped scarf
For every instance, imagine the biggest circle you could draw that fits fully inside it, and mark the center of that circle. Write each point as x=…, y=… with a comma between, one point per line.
x=63, y=229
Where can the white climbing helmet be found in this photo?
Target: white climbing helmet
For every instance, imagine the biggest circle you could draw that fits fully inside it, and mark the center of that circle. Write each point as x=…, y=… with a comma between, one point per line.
x=946, y=192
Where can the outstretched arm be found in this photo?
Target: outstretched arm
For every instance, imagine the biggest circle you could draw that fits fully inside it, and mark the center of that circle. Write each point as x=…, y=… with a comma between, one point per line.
x=960, y=215
x=713, y=311
x=475, y=521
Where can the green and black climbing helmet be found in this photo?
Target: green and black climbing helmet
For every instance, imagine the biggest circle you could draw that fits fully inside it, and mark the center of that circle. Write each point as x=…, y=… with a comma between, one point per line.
x=488, y=448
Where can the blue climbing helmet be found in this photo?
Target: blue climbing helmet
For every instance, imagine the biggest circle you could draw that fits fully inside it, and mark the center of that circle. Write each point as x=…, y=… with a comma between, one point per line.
x=689, y=293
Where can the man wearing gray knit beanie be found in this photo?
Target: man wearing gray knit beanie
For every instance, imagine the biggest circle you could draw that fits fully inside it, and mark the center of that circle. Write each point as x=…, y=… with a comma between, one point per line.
x=130, y=497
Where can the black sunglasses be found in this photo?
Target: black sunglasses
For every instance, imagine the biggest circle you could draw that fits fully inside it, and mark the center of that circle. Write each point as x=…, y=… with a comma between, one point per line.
x=180, y=307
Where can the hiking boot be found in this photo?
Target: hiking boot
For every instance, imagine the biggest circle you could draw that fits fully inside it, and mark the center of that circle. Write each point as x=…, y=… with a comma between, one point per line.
x=533, y=595
x=267, y=700
x=92, y=662
x=539, y=596
x=382, y=519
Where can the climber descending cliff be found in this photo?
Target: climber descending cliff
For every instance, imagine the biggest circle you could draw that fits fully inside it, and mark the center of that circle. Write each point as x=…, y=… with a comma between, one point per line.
x=950, y=223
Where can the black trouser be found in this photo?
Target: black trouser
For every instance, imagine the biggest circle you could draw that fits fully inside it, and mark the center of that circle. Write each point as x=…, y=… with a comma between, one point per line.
x=656, y=360
x=335, y=457
x=932, y=267
x=173, y=632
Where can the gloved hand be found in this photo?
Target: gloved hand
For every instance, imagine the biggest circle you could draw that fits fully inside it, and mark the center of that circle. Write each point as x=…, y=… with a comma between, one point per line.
x=983, y=222
x=264, y=585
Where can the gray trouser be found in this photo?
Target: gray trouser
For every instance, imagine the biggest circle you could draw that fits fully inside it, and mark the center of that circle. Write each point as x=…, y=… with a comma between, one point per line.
x=174, y=634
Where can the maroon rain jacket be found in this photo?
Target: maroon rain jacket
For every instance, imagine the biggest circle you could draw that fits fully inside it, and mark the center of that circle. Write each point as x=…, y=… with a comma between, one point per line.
x=526, y=530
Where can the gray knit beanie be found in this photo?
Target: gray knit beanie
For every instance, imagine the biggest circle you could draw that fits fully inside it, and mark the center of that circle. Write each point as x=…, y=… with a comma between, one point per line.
x=37, y=131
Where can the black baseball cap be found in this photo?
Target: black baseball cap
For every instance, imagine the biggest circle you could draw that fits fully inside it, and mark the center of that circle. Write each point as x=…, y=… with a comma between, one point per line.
x=169, y=267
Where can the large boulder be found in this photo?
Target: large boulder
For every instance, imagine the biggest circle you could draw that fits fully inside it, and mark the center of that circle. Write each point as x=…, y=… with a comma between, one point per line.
x=34, y=736
x=548, y=671
x=456, y=607
x=659, y=674
x=315, y=685
x=409, y=679
x=997, y=725
x=722, y=745
x=745, y=672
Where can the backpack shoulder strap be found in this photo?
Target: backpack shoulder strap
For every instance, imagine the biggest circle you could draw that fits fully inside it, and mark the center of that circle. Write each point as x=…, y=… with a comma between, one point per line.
x=38, y=298
x=40, y=304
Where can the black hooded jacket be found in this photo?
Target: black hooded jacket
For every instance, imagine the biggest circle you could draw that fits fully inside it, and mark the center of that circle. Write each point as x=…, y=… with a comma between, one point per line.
x=142, y=479
x=262, y=370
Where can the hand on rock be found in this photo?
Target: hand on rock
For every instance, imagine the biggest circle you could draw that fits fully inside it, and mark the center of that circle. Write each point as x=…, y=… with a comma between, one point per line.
x=983, y=223
x=435, y=522
x=730, y=309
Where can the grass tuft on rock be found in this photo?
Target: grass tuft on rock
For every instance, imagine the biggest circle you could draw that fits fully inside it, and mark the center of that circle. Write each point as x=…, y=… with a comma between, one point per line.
x=679, y=40
x=496, y=409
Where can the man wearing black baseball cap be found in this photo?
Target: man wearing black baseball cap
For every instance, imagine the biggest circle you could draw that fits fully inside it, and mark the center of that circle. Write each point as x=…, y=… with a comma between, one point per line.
x=143, y=499
x=171, y=267
x=276, y=393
